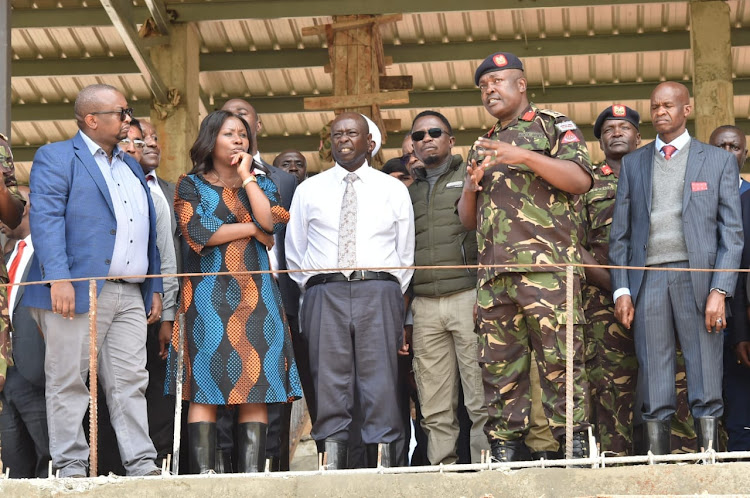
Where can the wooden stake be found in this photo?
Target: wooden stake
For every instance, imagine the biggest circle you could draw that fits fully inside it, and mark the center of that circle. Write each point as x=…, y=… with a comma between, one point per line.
x=569, y=363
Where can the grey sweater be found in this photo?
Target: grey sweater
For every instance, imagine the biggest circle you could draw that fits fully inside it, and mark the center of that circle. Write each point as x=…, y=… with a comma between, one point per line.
x=666, y=240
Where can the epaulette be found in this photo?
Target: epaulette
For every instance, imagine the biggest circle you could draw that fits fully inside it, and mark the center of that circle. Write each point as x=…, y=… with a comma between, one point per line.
x=554, y=114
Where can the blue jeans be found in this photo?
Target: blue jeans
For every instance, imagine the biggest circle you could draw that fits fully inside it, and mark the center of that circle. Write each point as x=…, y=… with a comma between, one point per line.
x=23, y=427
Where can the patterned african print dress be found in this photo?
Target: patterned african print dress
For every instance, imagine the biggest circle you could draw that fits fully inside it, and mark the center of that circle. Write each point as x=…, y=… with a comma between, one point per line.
x=237, y=343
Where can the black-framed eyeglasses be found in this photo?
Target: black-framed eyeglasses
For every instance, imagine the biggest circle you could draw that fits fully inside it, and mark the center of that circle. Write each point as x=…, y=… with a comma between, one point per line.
x=139, y=144
x=126, y=111
x=418, y=136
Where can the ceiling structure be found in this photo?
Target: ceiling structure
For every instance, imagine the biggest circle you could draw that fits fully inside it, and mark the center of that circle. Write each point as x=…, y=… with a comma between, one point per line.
x=580, y=56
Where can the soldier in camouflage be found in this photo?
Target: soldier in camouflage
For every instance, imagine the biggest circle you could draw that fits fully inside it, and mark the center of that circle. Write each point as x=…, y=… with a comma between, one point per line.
x=611, y=364
x=520, y=195
x=11, y=212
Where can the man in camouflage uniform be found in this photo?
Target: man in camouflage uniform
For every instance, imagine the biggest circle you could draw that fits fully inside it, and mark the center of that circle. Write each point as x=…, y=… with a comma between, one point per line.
x=520, y=195
x=11, y=213
x=611, y=364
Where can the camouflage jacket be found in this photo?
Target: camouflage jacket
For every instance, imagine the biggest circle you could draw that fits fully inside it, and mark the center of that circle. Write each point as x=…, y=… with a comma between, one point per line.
x=520, y=217
x=598, y=208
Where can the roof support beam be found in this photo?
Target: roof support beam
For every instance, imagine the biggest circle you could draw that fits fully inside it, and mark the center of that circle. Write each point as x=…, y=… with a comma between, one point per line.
x=401, y=54
x=464, y=138
x=222, y=10
x=159, y=15
x=419, y=99
x=120, y=13
x=5, y=66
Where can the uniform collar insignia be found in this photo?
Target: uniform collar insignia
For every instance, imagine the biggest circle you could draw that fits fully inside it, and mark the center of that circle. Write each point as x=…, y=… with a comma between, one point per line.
x=606, y=170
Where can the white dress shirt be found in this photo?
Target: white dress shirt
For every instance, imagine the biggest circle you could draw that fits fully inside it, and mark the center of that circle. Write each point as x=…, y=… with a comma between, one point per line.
x=130, y=202
x=385, y=224
x=28, y=252
x=679, y=143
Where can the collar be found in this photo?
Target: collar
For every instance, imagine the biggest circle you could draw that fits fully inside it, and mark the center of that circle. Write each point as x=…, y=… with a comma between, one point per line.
x=420, y=173
x=29, y=244
x=679, y=142
x=94, y=147
x=527, y=114
x=362, y=172
x=256, y=158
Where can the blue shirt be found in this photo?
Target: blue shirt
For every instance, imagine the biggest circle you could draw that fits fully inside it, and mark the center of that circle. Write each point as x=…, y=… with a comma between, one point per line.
x=130, y=202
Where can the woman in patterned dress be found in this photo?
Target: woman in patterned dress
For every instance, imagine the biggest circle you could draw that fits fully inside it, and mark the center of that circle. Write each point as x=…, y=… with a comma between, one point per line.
x=238, y=349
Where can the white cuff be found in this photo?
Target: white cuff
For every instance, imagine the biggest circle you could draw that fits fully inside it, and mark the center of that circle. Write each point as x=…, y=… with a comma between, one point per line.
x=622, y=291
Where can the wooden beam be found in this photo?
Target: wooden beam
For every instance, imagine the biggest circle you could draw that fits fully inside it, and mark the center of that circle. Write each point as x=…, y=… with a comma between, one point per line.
x=321, y=29
x=396, y=82
x=361, y=100
x=195, y=10
x=159, y=14
x=120, y=13
x=392, y=125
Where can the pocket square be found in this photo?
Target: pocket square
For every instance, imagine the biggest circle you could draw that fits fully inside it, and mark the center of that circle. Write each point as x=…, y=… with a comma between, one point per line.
x=698, y=186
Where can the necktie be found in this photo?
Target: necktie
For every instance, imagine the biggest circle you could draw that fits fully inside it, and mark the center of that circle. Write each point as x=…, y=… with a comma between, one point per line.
x=668, y=150
x=348, y=226
x=16, y=261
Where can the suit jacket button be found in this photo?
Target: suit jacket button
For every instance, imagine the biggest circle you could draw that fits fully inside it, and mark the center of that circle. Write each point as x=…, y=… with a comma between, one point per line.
x=106, y=261
x=112, y=232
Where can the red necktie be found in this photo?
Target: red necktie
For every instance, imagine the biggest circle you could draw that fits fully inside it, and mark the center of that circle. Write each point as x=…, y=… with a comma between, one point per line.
x=150, y=177
x=668, y=150
x=16, y=261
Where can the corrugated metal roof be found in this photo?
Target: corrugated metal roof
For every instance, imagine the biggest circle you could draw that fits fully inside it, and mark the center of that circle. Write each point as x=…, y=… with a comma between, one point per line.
x=574, y=26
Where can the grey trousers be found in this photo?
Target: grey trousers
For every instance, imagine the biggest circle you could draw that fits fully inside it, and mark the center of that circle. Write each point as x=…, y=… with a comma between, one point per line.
x=354, y=331
x=666, y=304
x=121, y=339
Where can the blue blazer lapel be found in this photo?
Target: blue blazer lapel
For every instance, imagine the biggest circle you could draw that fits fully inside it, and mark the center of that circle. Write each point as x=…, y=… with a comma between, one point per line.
x=647, y=173
x=88, y=161
x=694, y=166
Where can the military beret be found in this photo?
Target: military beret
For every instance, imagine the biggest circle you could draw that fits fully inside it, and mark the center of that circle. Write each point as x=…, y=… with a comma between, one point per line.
x=496, y=62
x=618, y=112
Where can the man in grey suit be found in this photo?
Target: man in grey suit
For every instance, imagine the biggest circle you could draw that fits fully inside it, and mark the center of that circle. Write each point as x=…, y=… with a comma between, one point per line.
x=677, y=206
x=277, y=439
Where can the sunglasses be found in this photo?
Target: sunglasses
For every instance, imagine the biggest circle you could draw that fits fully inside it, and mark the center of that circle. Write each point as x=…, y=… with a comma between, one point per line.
x=139, y=144
x=406, y=158
x=126, y=111
x=418, y=136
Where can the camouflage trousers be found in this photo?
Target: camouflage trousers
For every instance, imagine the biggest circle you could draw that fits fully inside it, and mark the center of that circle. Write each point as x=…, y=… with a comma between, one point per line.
x=519, y=312
x=612, y=370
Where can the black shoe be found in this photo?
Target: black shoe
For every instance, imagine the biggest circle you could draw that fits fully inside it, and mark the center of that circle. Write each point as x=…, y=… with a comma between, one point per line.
x=547, y=455
x=509, y=451
x=707, y=430
x=657, y=437
x=251, y=448
x=202, y=446
x=337, y=453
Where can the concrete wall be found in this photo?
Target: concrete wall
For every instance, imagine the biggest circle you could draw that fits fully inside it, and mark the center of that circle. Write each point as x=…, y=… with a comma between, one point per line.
x=691, y=479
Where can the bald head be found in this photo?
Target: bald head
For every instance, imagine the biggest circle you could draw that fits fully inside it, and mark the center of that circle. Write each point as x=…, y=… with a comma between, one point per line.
x=91, y=98
x=670, y=108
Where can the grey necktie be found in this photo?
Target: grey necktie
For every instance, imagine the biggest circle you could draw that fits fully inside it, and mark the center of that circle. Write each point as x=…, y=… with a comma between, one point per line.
x=348, y=226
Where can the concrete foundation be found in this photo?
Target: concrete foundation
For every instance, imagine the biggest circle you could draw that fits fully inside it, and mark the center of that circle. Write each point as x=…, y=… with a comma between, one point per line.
x=683, y=479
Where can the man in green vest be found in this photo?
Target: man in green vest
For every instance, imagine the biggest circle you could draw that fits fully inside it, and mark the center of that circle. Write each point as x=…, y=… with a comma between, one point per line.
x=444, y=339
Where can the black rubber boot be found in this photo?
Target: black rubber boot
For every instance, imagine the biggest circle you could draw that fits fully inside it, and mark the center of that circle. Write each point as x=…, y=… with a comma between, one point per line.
x=707, y=429
x=337, y=454
x=547, y=455
x=388, y=455
x=509, y=451
x=251, y=454
x=202, y=447
x=224, y=462
x=657, y=437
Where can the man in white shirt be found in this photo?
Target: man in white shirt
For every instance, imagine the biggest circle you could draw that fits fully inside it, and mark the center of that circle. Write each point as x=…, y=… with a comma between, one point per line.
x=353, y=216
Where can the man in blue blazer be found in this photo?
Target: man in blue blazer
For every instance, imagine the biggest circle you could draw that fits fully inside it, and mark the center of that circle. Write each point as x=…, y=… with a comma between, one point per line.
x=93, y=217
x=677, y=206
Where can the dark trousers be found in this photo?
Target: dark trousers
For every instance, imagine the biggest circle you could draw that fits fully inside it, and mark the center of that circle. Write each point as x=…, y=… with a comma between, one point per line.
x=354, y=331
x=666, y=304
x=736, y=402
x=23, y=427
x=160, y=408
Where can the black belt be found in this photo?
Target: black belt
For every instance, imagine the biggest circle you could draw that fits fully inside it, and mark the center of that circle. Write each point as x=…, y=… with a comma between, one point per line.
x=119, y=281
x=356, y=276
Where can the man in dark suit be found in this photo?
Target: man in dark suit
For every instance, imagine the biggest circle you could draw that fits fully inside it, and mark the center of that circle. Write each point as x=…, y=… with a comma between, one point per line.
x=93, y=210
x=277, y=440
x=23, y=417
x=677, y=206
x=736, y=344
